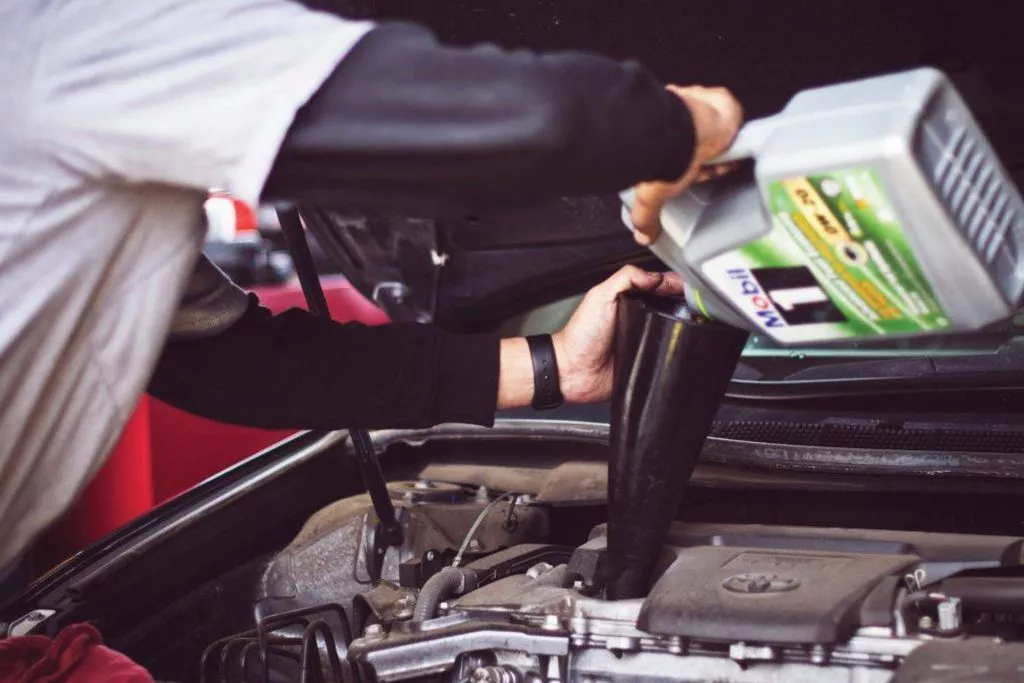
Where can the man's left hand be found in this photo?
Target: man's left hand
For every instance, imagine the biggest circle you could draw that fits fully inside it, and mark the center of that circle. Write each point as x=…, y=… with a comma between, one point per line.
x=585, y=348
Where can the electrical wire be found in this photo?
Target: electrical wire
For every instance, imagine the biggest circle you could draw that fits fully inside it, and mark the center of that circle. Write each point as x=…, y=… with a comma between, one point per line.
x=476, y=525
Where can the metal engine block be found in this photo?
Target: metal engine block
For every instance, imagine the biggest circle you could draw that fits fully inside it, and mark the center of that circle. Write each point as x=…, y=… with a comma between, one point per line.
x=731, y=604
x=558, y=633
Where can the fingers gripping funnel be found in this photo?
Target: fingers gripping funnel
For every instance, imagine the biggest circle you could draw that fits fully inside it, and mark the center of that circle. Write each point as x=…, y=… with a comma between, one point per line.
x=672, y=371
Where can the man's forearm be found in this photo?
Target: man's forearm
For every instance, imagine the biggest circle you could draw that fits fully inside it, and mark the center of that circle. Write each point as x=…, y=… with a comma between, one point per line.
x=299, y=371
x=515, y=379
x=404, y=118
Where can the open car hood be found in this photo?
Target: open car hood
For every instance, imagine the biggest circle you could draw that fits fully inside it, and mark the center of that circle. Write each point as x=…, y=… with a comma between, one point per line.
x=470, y=273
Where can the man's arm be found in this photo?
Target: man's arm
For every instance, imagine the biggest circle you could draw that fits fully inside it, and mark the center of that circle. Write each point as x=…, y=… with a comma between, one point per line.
x=297, y=370
x=403, y=117
x=230, y=360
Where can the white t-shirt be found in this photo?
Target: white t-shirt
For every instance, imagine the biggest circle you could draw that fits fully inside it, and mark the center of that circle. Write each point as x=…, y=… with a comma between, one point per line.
x=116, y=116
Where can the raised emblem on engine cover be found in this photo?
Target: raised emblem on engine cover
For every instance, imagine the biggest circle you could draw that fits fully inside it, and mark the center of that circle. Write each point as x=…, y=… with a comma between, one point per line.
x=759, y=583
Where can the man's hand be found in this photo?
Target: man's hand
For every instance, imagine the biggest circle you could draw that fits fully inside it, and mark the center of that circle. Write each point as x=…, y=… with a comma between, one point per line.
x=717, y=117
x=584, y=349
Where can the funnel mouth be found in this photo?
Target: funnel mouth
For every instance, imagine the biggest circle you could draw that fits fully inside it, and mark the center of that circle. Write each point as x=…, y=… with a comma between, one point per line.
x=673, y=308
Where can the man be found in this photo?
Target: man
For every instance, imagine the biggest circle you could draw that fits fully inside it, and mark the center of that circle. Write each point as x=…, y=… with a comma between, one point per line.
x=116, y=117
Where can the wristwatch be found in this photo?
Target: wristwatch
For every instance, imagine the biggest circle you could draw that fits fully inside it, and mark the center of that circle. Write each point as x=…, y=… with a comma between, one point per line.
x=547, y=392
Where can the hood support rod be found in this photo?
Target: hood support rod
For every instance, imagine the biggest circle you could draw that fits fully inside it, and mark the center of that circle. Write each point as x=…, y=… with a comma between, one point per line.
x=389, y=530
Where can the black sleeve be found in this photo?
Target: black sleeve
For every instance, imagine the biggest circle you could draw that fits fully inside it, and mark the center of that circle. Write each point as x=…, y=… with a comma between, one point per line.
x=300, y=371
x=403, y=117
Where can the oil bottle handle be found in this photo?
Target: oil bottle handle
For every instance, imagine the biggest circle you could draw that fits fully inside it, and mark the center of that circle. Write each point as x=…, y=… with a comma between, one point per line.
x=749, y=140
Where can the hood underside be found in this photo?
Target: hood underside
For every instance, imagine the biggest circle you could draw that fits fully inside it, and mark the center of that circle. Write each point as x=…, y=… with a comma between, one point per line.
x=471, y=271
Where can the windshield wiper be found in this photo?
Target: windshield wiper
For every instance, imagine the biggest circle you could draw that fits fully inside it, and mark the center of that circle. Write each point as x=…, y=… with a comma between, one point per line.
x=790, y=378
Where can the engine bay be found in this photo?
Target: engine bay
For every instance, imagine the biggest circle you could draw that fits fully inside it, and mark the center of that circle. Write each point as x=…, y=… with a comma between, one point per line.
x=437, y=580
x=544, y=551
x=477, y=592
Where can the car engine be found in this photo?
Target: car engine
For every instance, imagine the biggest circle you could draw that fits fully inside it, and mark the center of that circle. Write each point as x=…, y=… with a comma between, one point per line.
x=476, y=593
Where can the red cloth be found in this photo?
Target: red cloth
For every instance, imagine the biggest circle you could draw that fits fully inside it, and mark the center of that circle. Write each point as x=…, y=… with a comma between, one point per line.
x=76, y=655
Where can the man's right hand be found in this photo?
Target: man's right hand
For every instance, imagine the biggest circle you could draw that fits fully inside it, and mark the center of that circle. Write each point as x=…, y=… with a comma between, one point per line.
x=717, y=117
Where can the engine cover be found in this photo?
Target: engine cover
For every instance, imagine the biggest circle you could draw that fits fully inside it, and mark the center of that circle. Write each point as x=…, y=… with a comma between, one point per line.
x=752, y=594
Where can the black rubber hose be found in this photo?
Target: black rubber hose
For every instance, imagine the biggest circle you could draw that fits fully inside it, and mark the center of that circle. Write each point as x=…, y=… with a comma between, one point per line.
x=996, y=593
x=447, y=583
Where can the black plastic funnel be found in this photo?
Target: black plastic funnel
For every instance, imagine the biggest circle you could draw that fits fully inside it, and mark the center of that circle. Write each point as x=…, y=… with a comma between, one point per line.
x=672, y=371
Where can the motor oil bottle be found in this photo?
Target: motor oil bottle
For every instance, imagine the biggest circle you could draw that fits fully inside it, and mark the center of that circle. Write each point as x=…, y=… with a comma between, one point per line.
x=876, y=209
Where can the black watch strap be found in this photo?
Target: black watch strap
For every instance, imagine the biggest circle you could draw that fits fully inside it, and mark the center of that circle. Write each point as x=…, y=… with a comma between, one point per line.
x=547, y=392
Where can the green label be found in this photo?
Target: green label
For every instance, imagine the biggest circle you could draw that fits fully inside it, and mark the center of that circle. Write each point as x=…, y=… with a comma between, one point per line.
x=835, y=265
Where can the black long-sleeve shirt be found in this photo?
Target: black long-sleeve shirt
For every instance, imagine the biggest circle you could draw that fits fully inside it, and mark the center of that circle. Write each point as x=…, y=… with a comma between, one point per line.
x=297, y=370
x=404, y=118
